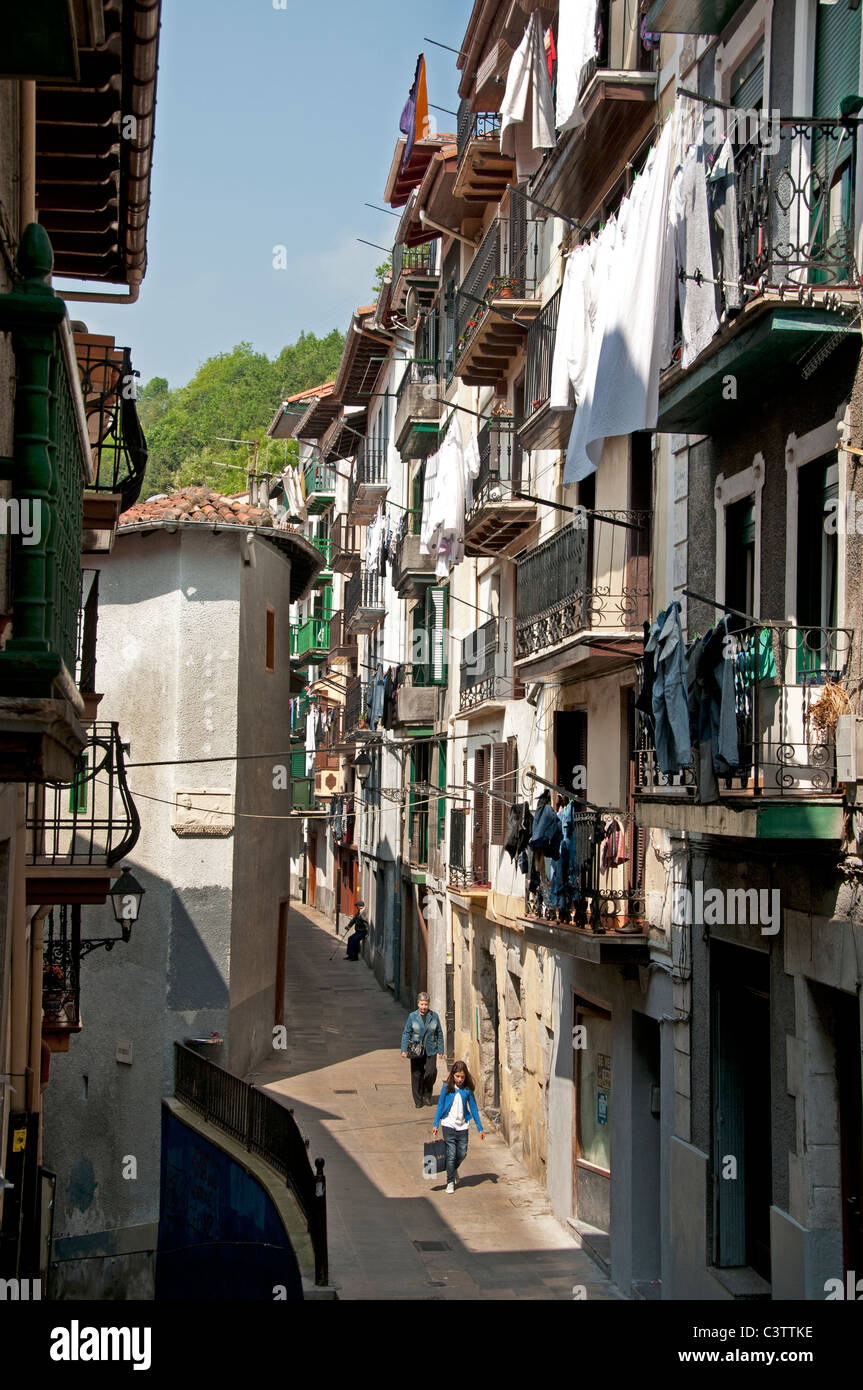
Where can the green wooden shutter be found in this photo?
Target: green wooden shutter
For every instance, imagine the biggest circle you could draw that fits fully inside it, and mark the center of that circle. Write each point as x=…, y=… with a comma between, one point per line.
x=441, y=781
x=499, y=770
x=837, y=56
x=747, y=81
x=436, y=622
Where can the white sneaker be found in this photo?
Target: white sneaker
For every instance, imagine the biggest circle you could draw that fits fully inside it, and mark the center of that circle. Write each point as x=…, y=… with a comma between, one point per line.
x=450, y=1187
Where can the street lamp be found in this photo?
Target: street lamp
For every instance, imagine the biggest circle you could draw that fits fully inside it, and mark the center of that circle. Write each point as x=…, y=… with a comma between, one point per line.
x=126, y=898
x=362, y=766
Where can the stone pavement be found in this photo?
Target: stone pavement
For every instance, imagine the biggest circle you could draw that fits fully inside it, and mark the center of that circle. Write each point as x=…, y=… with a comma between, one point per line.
x=394, y=1234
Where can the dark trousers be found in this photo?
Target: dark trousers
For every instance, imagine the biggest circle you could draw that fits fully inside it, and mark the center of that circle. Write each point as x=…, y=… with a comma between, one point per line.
x=423, y=1077
x=353, y=944
x=456, y=1149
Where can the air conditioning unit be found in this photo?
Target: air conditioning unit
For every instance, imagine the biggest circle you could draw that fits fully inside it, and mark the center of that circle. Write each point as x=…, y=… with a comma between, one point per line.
x=329, y=782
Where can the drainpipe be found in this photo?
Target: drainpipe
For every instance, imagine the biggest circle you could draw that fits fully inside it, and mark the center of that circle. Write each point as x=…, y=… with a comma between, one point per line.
x=27, y=155
x=19, y=984
x=34, y=1088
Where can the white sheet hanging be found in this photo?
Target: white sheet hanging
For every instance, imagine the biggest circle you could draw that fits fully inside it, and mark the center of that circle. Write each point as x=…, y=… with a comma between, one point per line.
x=621, y=392
x=691, y=222
x=576, y=46
x=526, y=130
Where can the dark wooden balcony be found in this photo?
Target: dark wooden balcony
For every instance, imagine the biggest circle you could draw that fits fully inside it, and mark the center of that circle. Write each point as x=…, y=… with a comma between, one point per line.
x=369, y=482
x=365, y=602
x=543, y=428
x=116, y=438
x=346, y=545
x=796, y=300
x=343, y=644
x=484, y=174
x=497, y=299
x=795, y=752
x=495, y=515
x=588, y=583
x=618, y=98
x=411, y=571
x=418, y=411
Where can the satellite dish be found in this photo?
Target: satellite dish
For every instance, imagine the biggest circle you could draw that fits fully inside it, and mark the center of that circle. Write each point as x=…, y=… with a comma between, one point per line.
x=413, y=308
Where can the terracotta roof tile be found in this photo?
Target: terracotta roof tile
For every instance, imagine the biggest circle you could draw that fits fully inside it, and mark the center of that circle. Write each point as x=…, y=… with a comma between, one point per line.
x=324, y=389
x=196, y=504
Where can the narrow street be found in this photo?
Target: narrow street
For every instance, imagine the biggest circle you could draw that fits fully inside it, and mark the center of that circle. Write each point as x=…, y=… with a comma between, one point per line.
x=392, y=1233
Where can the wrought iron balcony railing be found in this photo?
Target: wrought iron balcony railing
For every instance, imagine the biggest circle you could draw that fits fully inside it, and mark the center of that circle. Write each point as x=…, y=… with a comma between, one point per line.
x=364, y=594
x=460, y=870
x=91, y=821
x=789, y=688
x=61, y=970
x=346, y=541
x=116, y=436
x=357, y=705
x=610, y=892
x=475, y=125
x=540, y=355
x=369, y=473
x=478, y=665
x=592, y=575
x=506, y=266
x=500, y=461
x=414, y=260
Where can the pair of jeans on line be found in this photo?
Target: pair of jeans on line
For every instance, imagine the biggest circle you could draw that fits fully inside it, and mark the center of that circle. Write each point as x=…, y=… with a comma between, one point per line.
x=423, y=1077
x=456, y=1149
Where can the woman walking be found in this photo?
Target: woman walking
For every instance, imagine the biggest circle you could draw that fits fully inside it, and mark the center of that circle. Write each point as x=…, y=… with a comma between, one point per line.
x=455, y=1109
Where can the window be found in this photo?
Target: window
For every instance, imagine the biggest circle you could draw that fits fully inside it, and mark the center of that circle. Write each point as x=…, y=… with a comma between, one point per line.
x=450, y=289
x=271, y=639
x=429, y=642
x=418, y=814
x=740, y=555
x=441, y=781
x=481, y=774
x=593, y=1087
x=747, y=80
x=837, y=63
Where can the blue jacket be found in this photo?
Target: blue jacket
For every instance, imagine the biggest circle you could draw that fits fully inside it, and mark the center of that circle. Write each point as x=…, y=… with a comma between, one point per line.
x=444, y=1106
x=432, y=1038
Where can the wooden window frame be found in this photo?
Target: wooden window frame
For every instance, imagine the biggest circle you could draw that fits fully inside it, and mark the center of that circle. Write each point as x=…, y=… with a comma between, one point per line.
x=270, y=640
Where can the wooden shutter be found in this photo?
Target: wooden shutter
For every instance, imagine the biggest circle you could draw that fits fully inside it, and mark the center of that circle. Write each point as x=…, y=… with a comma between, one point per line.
x=499, y=769
x=436, y=620
x=441, y=781
x=837, y=57
x=481, y=768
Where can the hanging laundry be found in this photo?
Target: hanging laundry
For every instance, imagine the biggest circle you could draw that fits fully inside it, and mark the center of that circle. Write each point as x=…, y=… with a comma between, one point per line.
x=471, y=468
x=691, y=223
x=723, y=193
x=670, y=692
x=574, y=322
x=527, y=112
x=414, y=123
x=550, y=51
x=621, y=392
x=613, y=846
x=546, y=832
x=576, y=48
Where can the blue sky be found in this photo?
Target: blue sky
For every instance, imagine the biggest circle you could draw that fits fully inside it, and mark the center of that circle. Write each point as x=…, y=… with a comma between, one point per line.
x=273, y=127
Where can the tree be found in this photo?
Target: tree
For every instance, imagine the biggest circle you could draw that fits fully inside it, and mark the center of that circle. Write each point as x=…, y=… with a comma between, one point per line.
x=232, y=396
x=382, y=272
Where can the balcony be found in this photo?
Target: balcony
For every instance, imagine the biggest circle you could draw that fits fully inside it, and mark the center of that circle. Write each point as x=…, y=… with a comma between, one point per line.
x=310, y=641
x=495, y=515
x=543, y=428
x=116, y=438
x=484, y=683
x=324, y=546
x=618, y=99
x=78, y=830
x=795, y=249
x=365, y=605
x=462, y=876
x=414, y=268
x=412, y=571
x=346, y=545
x=497, y=300
x=343, y=644
x=691, y=16
x=587, y=586
x=320, y=484
x=41, y=734
x=369, y=482
x=418, y=411
x=794, y=752
x=484, y=174
x=61, y=976
x=607, y=922
x=357, y=703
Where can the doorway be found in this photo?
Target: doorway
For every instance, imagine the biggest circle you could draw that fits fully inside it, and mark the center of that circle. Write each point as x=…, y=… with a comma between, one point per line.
x=487, y=1026
x=313, y=871
x=646, y=1151
x=592, y=1110
x=742, y=1138
x=281, y=963
x=847, y=1016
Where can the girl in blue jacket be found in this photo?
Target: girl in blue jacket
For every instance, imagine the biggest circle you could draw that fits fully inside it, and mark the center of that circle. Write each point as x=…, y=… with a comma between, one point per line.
x=455, y=1109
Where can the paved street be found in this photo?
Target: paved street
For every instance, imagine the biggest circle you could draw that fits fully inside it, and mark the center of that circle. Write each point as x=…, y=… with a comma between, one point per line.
x=392, y=1233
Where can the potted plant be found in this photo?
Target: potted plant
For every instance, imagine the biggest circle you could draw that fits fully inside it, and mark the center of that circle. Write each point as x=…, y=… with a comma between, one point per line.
x=53, y=991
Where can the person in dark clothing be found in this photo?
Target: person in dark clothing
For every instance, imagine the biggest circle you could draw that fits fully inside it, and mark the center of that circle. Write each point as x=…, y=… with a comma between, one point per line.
x=422, y=1042
x=358, y=934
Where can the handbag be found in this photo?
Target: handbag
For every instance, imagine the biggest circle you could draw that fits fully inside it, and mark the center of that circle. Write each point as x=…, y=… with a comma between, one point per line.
x=434, y=1158
x=415, y=1048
